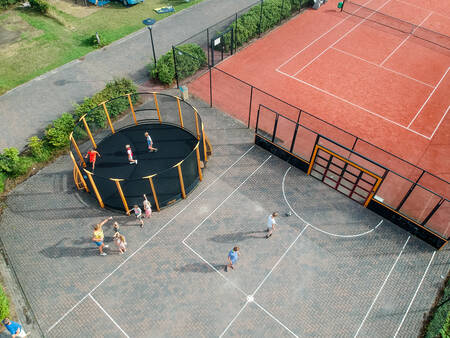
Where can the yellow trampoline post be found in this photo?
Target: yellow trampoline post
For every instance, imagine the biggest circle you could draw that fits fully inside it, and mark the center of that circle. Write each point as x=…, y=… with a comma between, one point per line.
x=132, y=109
x=152, y=186
x=78, y=172
x=197, y=152
x=180, y=175
x=97, y=194
x=75, y=145
x=372, y=192
x=179, y=112
x=88, y=131
x=196, y=124
x=122, y=196
x=107, y=116
x=204, y=144
x=157, y=107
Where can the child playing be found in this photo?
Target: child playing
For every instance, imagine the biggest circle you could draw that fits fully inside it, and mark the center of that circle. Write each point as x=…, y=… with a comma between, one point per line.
x=138, y=213
x=116, y=228
x=92, y=157
x=130, y=155
x=150, y=142
x=147, y=207
x=119, y=240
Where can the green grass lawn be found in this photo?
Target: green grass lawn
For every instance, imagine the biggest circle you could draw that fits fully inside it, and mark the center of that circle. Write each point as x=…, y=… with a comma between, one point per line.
x=46, y=43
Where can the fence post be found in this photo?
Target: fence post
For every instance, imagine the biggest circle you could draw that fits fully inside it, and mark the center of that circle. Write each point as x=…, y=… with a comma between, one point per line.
x=294, y=137
x=257, y=119
x=236, y=35
x=314, y=152
x=409, y=192
x=260, y=18
x=250, y=107
x=436, y=207
x=210, y=88
x=208, y=46
x=175, y=65
x=275, y=127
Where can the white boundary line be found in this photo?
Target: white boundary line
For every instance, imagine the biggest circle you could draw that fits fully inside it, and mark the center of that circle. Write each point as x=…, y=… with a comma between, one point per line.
x=314, y=227
x=147, y=241
x=406, y=39
x=415, y=294
x=429, y=96
x=426, y=9
x=107, y=314
x=226, y=199
x=383, y=67
x=274, y=318
x=442, y=119
x=382, y=286
x=343, y=36
x=232, y=321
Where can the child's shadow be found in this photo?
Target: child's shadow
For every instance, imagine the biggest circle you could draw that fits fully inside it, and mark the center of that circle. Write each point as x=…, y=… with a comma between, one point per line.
x=200, y=267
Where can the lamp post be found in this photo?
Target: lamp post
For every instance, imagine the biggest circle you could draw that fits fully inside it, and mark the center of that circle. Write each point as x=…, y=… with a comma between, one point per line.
x=149, y=23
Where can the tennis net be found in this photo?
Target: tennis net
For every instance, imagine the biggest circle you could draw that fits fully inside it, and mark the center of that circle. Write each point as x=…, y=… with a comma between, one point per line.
x=397, y=24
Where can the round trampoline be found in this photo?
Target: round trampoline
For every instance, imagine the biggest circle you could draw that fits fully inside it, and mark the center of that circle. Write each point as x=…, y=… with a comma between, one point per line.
x=165, y=176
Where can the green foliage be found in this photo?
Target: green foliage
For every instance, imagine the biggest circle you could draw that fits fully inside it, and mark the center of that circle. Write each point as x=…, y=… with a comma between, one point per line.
x=3, y=178
x=439, y=326
x=40, y=5
x=96, y=117
x=4, y=304
x=6, y=3
x=12, y=164
x=58, y=135
x=38, y=149
x=190, y=58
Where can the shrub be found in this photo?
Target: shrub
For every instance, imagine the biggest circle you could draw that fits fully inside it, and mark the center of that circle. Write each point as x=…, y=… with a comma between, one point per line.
x=6, y=3
x=3, y=178
x=190, y=58
x=439, y=325
x=58, y=135
x=4, y=305
x=38, y=149
x=12, y=164
x=40, y=5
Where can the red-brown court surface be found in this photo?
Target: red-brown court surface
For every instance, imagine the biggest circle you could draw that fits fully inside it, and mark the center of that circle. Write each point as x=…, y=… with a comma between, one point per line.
x=384, y=86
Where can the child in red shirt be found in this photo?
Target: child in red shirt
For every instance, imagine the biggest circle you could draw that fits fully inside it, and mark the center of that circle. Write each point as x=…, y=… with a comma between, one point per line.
x=130, y=155
x=92, y=157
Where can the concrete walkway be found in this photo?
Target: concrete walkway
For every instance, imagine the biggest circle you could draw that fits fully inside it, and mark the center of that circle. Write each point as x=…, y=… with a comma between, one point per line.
x=26, y=110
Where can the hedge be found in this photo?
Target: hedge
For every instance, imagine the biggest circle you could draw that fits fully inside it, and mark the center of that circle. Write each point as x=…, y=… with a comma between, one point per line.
x=7, y=3
x=439, y=325
x=4, y=305
x=56, y=136
x=190, y=58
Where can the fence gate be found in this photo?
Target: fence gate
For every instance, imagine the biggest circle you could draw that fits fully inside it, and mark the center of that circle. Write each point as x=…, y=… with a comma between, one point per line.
x=343, y=175
x=222, y=46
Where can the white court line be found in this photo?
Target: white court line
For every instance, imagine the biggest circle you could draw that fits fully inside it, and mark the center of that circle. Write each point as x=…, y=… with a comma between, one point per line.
x=353, y=104
x=279, y=260
x=406, y=39
x=314, y=227
x=226, y=199
x=388, y=69
x=146, y=242
x=107, y=314
x=232, y=321
x=438, y=125
x=415, y=294
x=343, y=36
x=317, y=39
x=427, y=9
x=275, y=319
x=429, y=96
x=382, y=286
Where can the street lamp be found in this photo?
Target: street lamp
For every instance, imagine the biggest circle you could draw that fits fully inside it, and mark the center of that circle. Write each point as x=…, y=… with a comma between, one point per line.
x=149, y=23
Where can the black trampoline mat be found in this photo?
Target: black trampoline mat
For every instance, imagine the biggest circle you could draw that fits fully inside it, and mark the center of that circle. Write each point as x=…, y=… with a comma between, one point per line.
x=174, y=145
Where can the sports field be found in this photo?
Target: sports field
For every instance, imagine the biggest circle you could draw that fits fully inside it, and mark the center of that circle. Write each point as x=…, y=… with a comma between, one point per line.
x=386, y=85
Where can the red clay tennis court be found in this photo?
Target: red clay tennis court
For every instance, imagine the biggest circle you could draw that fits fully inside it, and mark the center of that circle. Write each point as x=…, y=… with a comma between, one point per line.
x=381, y=73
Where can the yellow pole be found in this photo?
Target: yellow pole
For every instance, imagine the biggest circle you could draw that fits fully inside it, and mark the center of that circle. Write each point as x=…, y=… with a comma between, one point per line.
x=157, y=107
x=78, y=172
x=88, y=131
x=179, y=112
x=122, y=196
x=204, y=143
x=132, y=109
x=200, y=175
x=372, y=192
x=75, y=145
x=312, y=160
x=180, y=175
x=107, y=116
x=97, y=194
x=152, y=186
x=196, y=124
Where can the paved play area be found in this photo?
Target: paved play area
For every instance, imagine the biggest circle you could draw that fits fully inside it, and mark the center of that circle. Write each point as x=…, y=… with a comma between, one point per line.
x=332, y=268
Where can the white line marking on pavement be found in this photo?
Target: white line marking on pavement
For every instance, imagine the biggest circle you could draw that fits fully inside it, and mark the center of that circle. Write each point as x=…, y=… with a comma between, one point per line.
x=382, y=286
x=314, y=227
x=232, y=321
x=147, y=241
x=275, y=319
x=415, y=294
x=442, y=119
x=279, y=260
x=107, y=314
x=226, y=199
